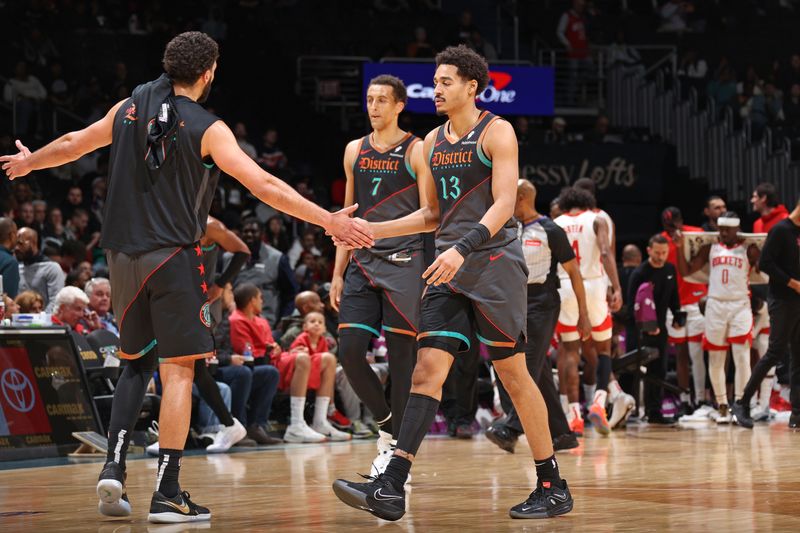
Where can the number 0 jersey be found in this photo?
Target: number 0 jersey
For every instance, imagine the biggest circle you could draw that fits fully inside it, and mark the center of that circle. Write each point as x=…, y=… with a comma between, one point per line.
x=463, y=177
x=385, y=188
x=580, y=233
x=729, y=272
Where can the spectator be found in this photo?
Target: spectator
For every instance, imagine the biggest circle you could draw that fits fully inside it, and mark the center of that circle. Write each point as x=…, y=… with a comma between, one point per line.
x=78, y=229
x=483, y=47
x=277, y=237
x=571, y=32
x=557, y=134
x=309, y=365
x=661, y=274
x=765, y=202
x=99, y=292
x=80, y=275
x=269, y=270
x=722, y=89
x=25, y=215
x=70, y=309
x=30, y=302
x=39, y=50
x=631, y=259
x=11, y=307
x=793, y=76
x=673, y=15
x=55, y=233
x=715, y=206
x=306, y=243
x=60, y=94
x=240, y=131
x=625, y=56
x=791, y=111
x=465, y=28
x=9, y=267
x=99, y=190
x=28, y=92
x=522, y=128
x=307, y=272
x=599, y=134
x=73, y=201
x=272, y=157
x=35, y=272
x=305, y=302
x=39, y=216
x=420, y=48
x=692, y=71
x=256, y=387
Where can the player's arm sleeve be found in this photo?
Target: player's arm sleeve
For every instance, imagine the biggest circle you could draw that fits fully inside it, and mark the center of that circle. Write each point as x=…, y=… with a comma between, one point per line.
x=776, y=240
x=559, y=244
x=287, y=286
x=235, y=264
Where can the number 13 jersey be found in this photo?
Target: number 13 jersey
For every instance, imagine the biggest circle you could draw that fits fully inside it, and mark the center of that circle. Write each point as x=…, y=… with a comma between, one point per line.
x=463, y=177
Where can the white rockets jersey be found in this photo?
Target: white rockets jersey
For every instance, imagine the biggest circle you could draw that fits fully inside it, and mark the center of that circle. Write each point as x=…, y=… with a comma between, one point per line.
x=580, y=233
x=610, y=223
x=729, y=272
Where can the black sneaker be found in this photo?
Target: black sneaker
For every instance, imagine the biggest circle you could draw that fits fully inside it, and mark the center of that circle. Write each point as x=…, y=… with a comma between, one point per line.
x=464, y=431
x=794, y=421
x=741, y=414
x=567, y=441
x=165, y=510
x=111, y=491
x=503, y=437
x=546, y=501
x=378, y=497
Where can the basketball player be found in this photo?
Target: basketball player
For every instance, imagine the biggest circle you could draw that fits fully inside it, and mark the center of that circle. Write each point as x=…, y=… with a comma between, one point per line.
x=589, y=236
x=477, y=281
x=384, y=283
x=166, y=157
x=687, y=339
x=728, y=317
x=601, y=350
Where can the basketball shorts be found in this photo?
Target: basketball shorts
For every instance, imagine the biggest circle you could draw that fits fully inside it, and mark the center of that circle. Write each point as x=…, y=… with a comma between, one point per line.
x=692, y=331
x=379, y=293
x=162, y=299
x=597, y=304
x=727, y=322
x=487, y=298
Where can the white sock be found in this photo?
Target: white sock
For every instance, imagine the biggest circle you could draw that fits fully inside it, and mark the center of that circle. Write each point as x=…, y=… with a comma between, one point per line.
x=716, y=372
x=574, y=411
x=764, y=392
x=297, y=405
x=321, y=410
x=686, y=397
x=588, y=391
x=564, y=403
x=741, y=358
x=614, y=390
x=600, y=398
x=698, y=371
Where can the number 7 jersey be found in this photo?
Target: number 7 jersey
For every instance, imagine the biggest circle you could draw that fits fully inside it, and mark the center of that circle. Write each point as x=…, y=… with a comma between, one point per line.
x=385, y=188
x=463, y=177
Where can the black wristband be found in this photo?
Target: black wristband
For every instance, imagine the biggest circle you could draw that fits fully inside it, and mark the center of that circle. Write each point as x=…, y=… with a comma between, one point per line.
x=234, y=266
x=471, y=240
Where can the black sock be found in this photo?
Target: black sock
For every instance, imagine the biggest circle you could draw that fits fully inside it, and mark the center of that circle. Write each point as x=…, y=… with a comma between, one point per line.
x=603, y=372
x=402, y=356
x=209, y=392
x=385, y=425
x=417, y=419
x=128, y=398
x=169, y=466
x=397, y=472
x=353, y=348
x=547, y=471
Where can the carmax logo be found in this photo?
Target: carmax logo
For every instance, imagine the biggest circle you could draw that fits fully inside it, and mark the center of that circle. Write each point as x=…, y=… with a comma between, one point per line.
x=495, y=93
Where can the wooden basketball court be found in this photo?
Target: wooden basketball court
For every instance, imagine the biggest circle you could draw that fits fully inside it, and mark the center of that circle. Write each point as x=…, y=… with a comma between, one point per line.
x=699, y=479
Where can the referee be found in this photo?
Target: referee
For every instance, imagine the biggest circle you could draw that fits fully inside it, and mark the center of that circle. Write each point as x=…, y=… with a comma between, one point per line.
x=780, y=259
x=545, y=246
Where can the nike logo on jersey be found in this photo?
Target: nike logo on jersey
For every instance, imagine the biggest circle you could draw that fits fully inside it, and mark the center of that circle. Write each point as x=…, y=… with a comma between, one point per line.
x=368, y=150
x=385, y=497
x=496, y=257
x=440, y=142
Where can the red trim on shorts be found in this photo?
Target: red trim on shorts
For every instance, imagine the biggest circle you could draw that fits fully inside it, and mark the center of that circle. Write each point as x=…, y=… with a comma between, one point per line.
x=363, y=271
x=764, y=331
x=713, y=347
x=495, y=325
x=684, y=340
x=404, y=189
x=604, y=325
x=388, y=297
x=741, y=339
x=144, y=282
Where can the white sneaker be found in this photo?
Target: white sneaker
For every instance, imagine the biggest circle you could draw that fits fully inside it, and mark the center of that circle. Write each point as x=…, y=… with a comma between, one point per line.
x=385, y=451
x=302, y=433
x=722, y=416
x=327, y=429
x=152, y=449
x=226, y=438
x=623, y=407
x=760, y=415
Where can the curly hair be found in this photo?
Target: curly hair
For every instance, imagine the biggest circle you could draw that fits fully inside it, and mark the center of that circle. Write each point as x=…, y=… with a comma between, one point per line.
x=469, y=64
x=397, y=85
x=188, y=55
x=574, y=197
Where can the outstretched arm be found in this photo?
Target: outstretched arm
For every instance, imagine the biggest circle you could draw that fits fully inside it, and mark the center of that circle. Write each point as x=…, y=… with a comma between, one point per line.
x=697, y=262
x=65, y=149
x=220, y=144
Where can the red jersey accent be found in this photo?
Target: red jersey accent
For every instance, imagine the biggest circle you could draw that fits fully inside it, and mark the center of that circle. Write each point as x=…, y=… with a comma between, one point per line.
x=689, y=293
x=765, y=223
x=576, y=35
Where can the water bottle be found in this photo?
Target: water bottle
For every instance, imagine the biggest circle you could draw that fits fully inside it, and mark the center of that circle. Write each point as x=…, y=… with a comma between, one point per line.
x=248, y=353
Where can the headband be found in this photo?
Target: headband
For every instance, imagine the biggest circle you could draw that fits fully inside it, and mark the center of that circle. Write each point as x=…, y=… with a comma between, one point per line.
x=728, y=222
